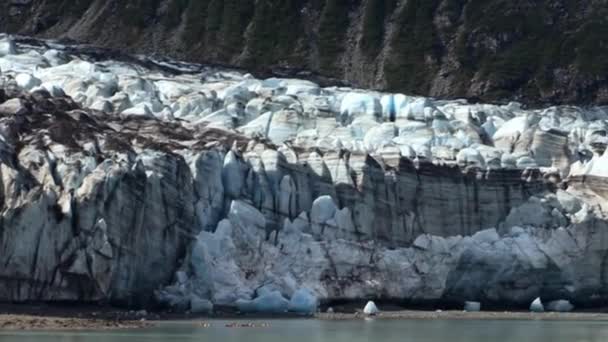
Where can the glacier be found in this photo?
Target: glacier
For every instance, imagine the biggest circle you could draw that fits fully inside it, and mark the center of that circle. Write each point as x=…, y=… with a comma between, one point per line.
x=143, y=182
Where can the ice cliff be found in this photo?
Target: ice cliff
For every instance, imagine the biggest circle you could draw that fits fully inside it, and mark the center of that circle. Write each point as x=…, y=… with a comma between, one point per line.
x=141, y=181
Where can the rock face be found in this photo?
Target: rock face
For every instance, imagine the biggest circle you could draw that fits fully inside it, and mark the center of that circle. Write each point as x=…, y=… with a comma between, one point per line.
x=548, y=50
x=142, y=182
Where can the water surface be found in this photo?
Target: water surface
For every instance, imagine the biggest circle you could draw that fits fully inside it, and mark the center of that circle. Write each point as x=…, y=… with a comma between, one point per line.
x=340, y=331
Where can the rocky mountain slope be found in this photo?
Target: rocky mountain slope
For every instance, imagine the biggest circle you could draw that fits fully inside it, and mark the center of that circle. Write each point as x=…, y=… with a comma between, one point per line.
x=548, y=51
x=143, y=181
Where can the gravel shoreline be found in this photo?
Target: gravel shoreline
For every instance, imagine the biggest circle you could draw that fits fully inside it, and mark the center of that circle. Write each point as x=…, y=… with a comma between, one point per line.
x=53, y=318
x=461, y=315
x=26, y=322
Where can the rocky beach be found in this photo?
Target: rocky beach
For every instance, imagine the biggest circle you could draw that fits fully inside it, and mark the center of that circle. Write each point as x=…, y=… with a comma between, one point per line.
x=47, y=323
x=49, y=318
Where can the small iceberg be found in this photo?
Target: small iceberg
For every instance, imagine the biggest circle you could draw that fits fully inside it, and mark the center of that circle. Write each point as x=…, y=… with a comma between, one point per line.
x=371, y=309
x=537, y=306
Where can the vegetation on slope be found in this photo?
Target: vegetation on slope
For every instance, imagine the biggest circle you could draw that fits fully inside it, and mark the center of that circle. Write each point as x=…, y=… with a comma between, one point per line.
x=414, y=48
x=554, y=50
x=274, y=31
x=333, y=26
x=377, y=13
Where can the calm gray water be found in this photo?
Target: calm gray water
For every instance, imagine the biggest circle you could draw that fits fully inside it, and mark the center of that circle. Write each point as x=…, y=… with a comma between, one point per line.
x=341, y=331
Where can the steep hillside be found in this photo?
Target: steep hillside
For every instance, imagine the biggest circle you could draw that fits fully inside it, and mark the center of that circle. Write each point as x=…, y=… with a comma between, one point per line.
x=549, y=51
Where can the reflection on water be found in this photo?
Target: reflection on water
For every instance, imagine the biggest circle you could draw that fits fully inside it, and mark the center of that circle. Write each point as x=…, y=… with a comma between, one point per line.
x=340, y=331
